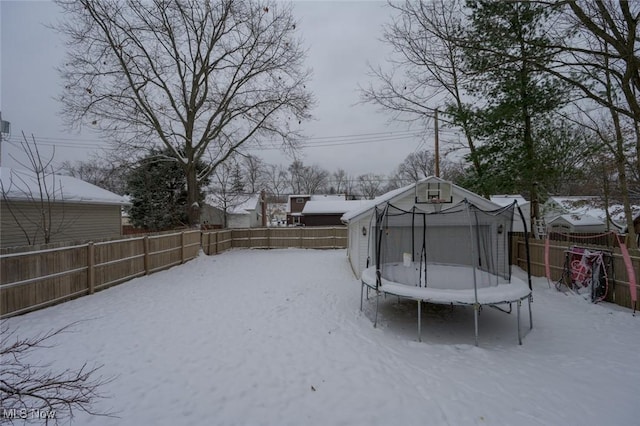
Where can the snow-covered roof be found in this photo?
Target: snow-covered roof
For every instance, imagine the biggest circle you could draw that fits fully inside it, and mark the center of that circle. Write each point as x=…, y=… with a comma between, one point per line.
x=241, y=204
x=578, y=220
x=396, y=194
x=369, y=204
x=586, y=205
x=339, y=206
x=23, y=185
x=315, y=197
x=504, y=200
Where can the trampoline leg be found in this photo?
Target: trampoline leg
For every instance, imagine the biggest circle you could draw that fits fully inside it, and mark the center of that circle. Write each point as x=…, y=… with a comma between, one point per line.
x=375, y=322
x=518, y=322
x=476, y=307
x=361, y=294
x=419, y=321
x=530, y=314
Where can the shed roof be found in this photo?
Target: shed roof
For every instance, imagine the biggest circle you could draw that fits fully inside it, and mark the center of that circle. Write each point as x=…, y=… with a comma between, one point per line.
x=243, y=204
x=23, y=185
x=396, y=194
x=504, y=200
x=331, y=206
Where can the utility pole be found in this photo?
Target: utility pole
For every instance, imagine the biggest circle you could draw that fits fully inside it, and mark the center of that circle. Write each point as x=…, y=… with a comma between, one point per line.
x=5, y=128
x=436, y=141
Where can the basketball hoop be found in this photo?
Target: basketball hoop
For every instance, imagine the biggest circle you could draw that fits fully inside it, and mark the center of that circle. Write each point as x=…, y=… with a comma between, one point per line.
x=436, y=203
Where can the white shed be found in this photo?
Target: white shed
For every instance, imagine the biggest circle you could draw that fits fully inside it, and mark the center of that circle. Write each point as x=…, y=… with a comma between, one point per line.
x=422, y=193
x=243, y=211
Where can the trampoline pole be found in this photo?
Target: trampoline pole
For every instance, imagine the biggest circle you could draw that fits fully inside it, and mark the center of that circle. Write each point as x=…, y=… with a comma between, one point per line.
x=361, y=294
x=475, y=319
x=419, y=321
x=530, y=314
x=518, y=322
x=375, y=322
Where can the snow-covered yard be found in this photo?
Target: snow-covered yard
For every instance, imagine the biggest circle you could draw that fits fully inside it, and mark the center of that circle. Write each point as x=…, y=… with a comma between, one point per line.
x=253, y=337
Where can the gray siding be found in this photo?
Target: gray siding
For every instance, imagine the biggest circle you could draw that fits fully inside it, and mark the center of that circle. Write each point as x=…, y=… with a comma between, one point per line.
x=70, y=222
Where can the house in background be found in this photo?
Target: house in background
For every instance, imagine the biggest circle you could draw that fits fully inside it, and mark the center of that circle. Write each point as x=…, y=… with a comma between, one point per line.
x=242, y=211
x=578, y=214
x=296, y=204
x=422, y=194
x=79, y=211
x=327, y=212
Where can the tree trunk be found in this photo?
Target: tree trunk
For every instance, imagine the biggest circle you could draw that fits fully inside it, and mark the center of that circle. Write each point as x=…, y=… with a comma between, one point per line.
x=193, y=202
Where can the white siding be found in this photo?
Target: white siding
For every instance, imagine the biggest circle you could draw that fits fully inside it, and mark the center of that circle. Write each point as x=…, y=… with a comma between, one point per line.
x=71, y=222
x=238, y=221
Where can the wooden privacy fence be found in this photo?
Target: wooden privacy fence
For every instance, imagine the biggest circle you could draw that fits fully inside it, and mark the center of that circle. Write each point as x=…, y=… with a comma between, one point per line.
x=618, y=291
x=217, y=241
x=35, y=279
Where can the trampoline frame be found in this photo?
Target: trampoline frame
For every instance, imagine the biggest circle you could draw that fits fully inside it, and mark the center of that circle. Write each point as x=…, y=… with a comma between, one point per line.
x=431, y=295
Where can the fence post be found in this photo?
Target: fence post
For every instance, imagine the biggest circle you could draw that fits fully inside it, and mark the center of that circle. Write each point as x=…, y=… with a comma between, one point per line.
x=91, y=272
x=268, y=238
x=249, y=231
x=146, y=255
x=182, y=247
x=216, y=238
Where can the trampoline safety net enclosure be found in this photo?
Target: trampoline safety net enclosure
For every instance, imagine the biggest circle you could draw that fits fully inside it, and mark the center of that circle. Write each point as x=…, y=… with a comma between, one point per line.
x=458, y=255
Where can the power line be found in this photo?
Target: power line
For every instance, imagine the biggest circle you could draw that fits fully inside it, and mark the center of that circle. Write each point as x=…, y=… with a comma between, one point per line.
x=307, y=142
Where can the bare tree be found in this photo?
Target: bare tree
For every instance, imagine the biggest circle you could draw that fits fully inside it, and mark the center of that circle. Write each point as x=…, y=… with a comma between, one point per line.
x=307, y=179
x=425, y=37
x=35, y=392
x=200, y=78
x=276, y=179
x=101, y=171
x=34, y=196
x=370, y=185
x=253, y=168
x=342, y=182
x=417, y=165
x=225, y=192
x=601, y=61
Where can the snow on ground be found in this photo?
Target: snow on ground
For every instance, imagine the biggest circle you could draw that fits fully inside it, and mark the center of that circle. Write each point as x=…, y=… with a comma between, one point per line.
x=276, y=337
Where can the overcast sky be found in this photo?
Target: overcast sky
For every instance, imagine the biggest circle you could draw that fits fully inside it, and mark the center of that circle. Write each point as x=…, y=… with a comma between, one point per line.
x=342, y=37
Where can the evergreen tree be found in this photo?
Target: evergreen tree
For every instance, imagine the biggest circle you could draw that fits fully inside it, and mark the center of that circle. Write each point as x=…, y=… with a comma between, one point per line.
x=158, y=190
x=504, y=46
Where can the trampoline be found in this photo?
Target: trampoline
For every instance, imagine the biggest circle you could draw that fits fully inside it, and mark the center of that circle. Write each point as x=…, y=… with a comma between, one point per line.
x=457, y=256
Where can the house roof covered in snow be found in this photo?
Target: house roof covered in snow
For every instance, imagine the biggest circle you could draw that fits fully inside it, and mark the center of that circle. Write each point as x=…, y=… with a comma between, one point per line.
x=506, y=200
x=592, y=206
x=331, y=206
x=578, y=220
x=315, y=197
x=238, y=204
x=23, y=185
x=396, y=194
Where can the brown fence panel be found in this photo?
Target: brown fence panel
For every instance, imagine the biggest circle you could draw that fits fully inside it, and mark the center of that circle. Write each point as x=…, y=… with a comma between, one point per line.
x=118, y=261
x=23, y=288
x=618, y=291
x=214, y=242
x=241, y=238
x=164, y=251
x=37, y=278
x=192, y=244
